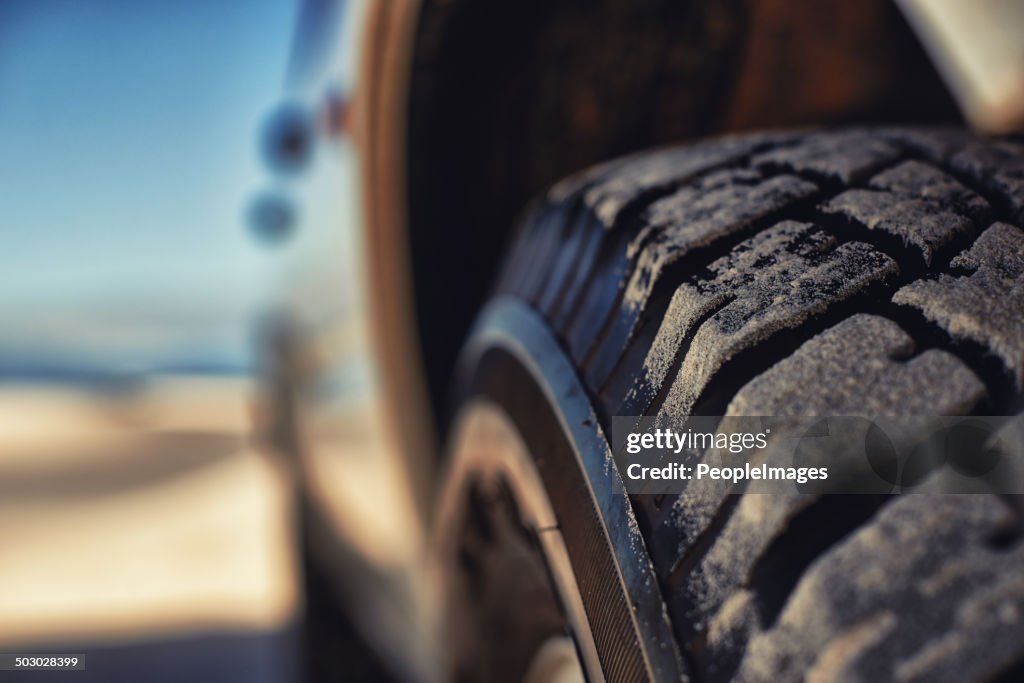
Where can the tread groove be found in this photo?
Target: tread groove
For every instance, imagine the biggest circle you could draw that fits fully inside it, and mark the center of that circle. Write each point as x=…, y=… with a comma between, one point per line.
x=808, y=535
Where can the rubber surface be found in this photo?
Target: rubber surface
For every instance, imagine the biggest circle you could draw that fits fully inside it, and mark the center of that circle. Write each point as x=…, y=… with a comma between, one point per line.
x=859, y=271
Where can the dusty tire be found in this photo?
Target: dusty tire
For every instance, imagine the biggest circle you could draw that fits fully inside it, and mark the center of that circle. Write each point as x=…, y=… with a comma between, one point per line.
x=850, y=272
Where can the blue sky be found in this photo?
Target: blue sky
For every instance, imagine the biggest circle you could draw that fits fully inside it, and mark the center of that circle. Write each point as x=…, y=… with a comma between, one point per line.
x=128, y=153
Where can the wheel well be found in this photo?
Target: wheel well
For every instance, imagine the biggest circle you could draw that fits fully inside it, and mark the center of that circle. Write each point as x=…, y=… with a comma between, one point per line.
x=507, y=97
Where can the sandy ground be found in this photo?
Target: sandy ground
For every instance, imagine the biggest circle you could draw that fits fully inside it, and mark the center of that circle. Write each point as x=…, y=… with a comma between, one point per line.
x=145, y=530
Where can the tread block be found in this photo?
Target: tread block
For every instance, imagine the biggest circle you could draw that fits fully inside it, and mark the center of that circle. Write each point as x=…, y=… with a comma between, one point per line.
x=790, y=530
x=999, y=168
x=722, y=571
x=846, y=157
x=862, y=366
x=918, y=180
x=990, y=620
x=918, y=549
x=727, y=635
x=781, y=289
x=935, y=143
x=769, y=255
x=608, y=197
x=915, y=223
x=985, y=306
x=722, y=205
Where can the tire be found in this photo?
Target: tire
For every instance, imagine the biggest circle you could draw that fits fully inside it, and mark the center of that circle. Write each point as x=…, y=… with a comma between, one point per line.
x=847, y=272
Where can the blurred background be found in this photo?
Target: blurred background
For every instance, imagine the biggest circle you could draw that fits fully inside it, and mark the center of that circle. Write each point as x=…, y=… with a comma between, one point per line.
x=178, y=201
